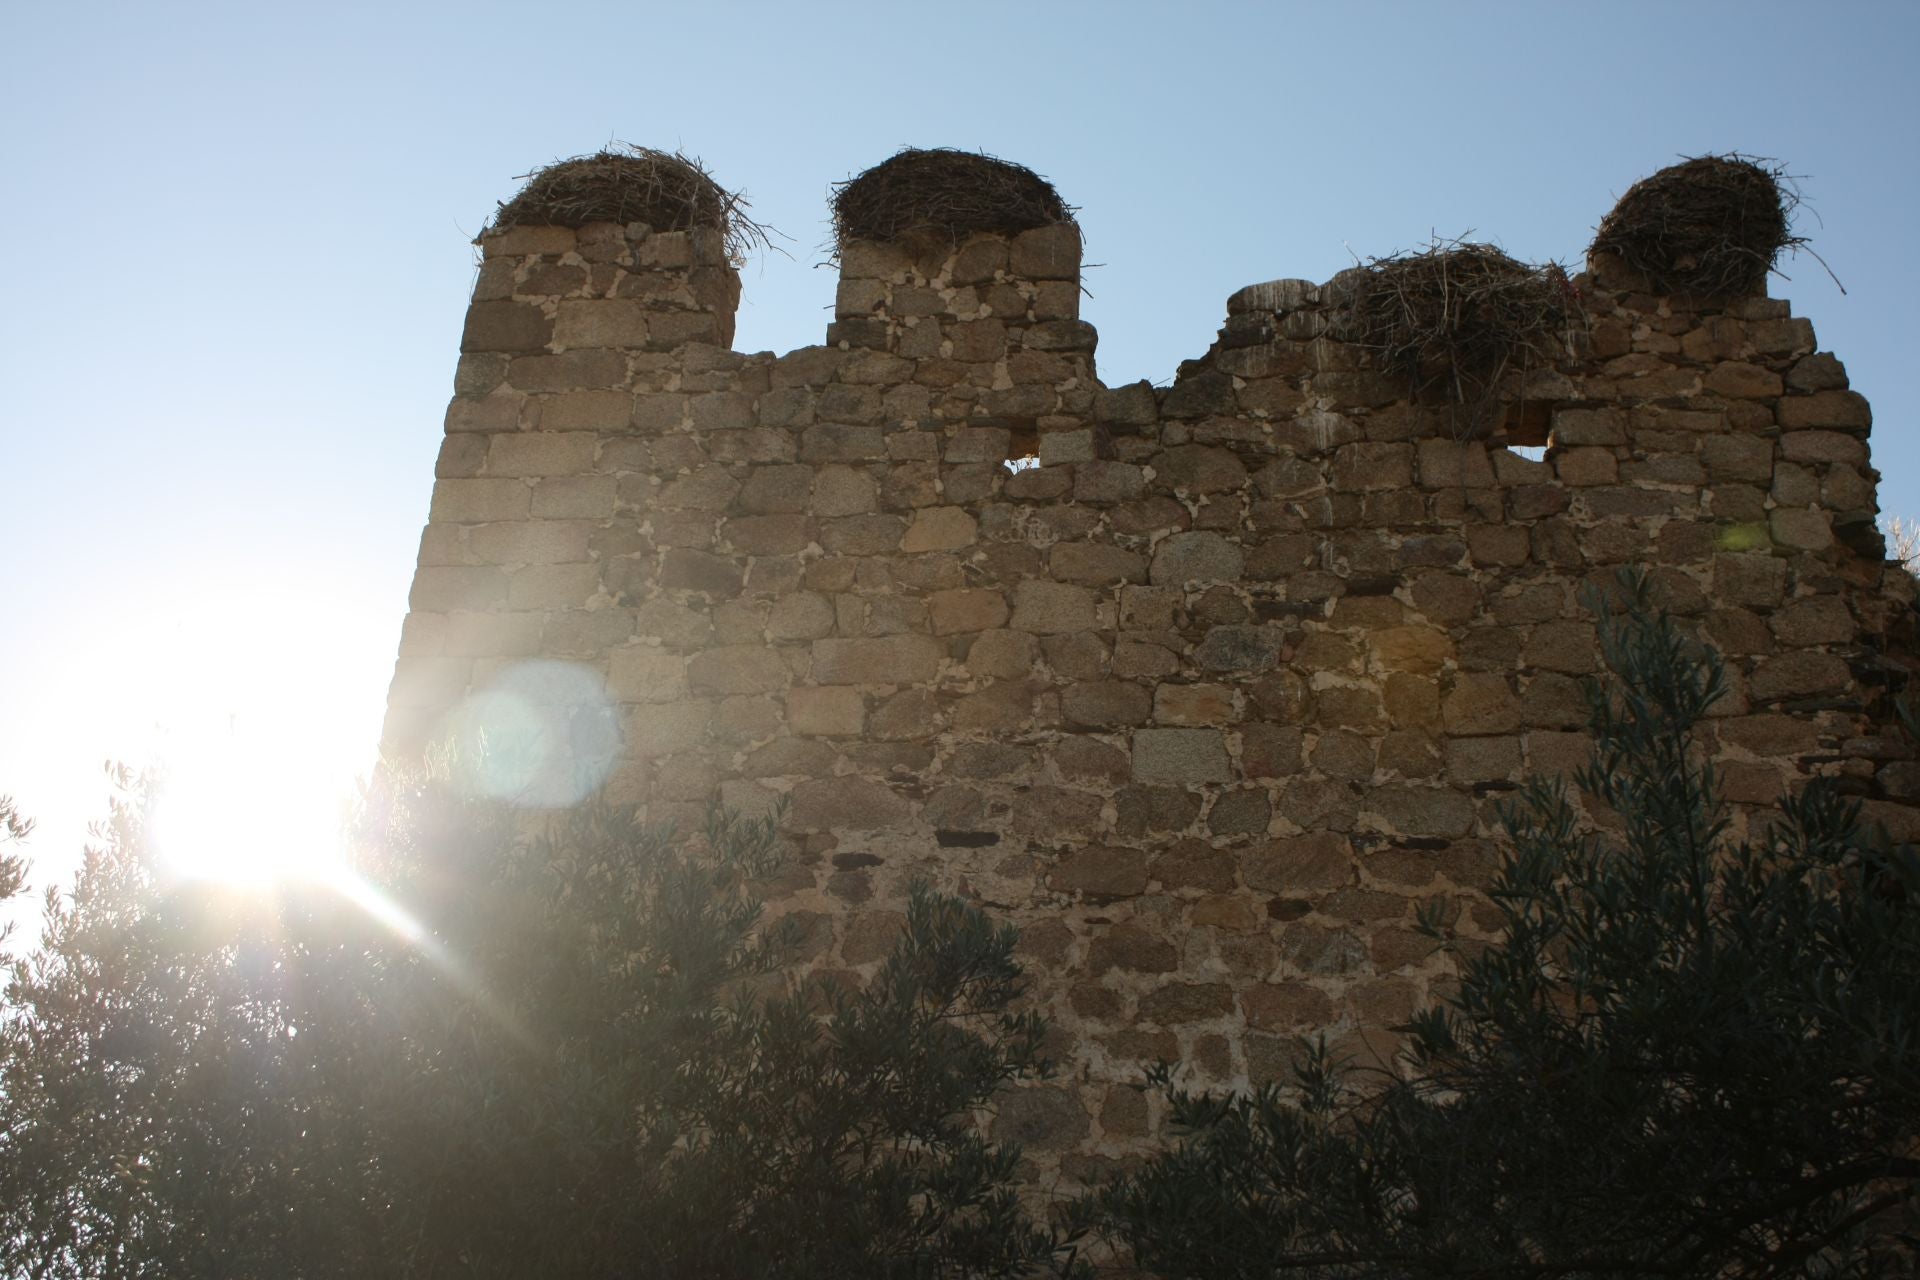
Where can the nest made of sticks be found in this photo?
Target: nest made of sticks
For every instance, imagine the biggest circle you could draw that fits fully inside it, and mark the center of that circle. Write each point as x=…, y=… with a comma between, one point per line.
x=1456, y=317
x=1712, y=225
x=941, y=193
x=666, y=190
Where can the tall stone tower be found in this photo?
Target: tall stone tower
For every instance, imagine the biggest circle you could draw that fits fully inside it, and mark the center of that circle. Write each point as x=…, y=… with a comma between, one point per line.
x=1206, y=687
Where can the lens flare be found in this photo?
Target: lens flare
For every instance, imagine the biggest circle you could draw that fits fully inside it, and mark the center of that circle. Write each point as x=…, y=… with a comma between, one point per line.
x=541, y=735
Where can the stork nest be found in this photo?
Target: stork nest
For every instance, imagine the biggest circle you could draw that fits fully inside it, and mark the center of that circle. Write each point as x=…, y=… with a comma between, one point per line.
x=943, y=194
x=667, y=191
x=1711, y=225
x=1455, y=318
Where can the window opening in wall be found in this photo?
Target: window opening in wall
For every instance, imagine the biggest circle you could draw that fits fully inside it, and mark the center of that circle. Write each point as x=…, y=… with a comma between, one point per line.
x=1527, y=428
x=1023, y=449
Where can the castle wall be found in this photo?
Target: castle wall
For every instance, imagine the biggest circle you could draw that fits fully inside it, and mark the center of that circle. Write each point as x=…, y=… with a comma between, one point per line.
x=1210, y=698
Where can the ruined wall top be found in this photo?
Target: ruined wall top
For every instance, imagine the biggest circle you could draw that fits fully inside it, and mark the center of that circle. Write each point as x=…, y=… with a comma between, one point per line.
x=1208, y=687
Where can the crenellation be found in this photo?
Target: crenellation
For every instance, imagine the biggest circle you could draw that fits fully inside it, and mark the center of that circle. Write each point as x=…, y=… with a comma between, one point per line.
x=1205, y=687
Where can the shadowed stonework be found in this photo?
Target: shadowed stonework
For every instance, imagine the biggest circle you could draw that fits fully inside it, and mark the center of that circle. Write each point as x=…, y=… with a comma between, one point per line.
x=1207, y=702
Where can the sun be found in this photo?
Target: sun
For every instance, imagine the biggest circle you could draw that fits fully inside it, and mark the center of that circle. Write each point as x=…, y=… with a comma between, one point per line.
x=258, y=744
x=252, y=802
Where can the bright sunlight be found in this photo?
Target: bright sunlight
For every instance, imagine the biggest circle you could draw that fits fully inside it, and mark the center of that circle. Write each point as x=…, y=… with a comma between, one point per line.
x=260, y=727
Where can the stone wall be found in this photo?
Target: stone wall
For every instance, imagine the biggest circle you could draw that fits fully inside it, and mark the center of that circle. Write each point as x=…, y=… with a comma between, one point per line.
x=1209, y=698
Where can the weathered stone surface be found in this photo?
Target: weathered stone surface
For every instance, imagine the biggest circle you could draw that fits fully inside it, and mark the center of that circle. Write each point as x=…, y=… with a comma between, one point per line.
x=1193, y=704
x=506, y=326
x=1798, y=675
x=1106, y=704
x=1300, y=864
x=1051, y=608
x=1180, y=756
x=831, y=711
x=1480, y=703
x=939, y=529
x=1196, y=557
x=903, y=659
x=1095, y=565
x=1414, y=649
x=847, y=804
x=1101, y=872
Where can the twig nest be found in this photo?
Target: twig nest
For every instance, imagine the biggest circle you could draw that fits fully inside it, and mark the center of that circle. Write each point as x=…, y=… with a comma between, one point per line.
x=665, y=190
x=1455, y=318
x=1711, y=225
x=941, y=194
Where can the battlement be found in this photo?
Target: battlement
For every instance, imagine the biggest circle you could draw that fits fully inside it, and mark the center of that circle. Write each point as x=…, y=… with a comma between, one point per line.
x=1211, y=695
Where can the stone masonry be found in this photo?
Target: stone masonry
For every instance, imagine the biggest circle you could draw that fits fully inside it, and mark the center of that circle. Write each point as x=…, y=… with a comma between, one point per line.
x=1210, y=699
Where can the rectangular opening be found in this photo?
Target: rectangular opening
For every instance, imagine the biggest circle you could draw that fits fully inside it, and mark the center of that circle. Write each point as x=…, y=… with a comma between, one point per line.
x=1527, y=424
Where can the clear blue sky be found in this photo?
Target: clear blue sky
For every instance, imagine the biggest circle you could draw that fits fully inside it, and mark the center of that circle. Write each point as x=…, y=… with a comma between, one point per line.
x=236, y=247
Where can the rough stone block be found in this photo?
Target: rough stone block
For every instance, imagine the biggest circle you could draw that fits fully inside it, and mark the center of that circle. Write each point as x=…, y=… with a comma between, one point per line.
x=1818, y=372
x=1587, y=466
x=1196, y=557
x=531, y=541
x=471, y=501
x=833, y=711
x=1740, y=381
x=601, y=323
x=1106, y=704
x=767, y=535
x=461, y=457
x=1046, y=253
x=1823, y=446
x=1004, y=655
x=498, y=412
x=643, y=674
x=1414, y=649
x=1286, y=1006
x=901, y=659
x=738, y=669
x=1471, y=760
x=1180, y=756
x=1238, y=647
x=1842, y=410
x=1314, y=862
x=940, y=529
x=1798, y=675
x=1194, y=704
x=1753, y=580
x=1480, y=703
x=833, y=442
x=967, y=609
x=574, y=497
x=1573, y=427
x=506, y=326
x=1738, y=457
x=1051, y=608
x=1801, y=530
x=1816, y=620
x=847, y=804
x=1368, y=466
x=1453, y=464
x=542, y=453
x=1095, y=564
x=1421, y=812
x=1131, y=947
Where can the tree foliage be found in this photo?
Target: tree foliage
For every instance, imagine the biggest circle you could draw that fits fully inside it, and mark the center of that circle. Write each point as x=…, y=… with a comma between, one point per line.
x=1690, y=1055
x=570, y=1053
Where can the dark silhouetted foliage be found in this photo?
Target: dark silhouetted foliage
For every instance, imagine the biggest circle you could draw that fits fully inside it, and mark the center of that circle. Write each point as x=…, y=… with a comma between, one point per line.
x=574, y=1053
x=1690, y=1055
